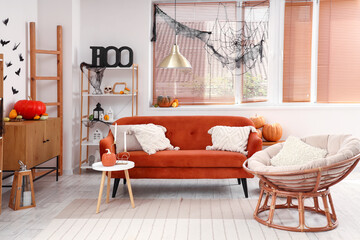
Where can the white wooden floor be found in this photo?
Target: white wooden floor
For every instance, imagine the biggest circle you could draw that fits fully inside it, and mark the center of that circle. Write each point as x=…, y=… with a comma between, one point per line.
x=225, y=213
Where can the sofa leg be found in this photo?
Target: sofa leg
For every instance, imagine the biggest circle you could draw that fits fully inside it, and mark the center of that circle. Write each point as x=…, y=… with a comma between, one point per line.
x=124, y=181
x=115, y=187
x=239, y=181
x=244, y=183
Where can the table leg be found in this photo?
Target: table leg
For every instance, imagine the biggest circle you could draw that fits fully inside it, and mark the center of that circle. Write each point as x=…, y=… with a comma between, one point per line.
x=108, y=187
x=129, y=188
x=101, y=191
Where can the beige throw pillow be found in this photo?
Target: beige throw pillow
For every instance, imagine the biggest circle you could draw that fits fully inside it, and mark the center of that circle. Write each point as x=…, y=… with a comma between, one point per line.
x=132, y=143
x=232, y=139
x=152, y=138
x=296, y=152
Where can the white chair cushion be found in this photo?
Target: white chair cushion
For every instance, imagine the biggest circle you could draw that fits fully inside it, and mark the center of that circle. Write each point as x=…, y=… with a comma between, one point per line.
x=296, y=152
x=339, y=148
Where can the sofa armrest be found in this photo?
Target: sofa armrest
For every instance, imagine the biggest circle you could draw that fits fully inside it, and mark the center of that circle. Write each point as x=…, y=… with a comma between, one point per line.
x=254, y=144
x=107, y=143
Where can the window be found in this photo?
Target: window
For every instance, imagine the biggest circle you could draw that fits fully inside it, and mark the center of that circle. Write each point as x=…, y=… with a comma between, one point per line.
x=219, y=73
x=255, y=80
x=208, y=82
x=338, y=51
x=297, y=51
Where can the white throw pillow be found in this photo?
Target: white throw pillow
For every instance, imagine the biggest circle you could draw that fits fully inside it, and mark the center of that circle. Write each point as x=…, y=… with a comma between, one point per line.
x=132, y=143
x=296, y=152
x=232, y=139
x=152, y=138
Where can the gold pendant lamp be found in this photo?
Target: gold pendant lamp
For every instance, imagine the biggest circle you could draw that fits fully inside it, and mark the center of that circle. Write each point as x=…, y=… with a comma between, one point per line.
x=175, y=59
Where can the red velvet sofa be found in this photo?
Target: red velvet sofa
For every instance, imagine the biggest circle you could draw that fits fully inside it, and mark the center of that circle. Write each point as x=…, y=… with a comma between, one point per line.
x=192, y=161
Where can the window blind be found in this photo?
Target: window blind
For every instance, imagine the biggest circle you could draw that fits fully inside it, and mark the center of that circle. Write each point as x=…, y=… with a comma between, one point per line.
x=297, y=51
x=208, y=82
x=338, y=52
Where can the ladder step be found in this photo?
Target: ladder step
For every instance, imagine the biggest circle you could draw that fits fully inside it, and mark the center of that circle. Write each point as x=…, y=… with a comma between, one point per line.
x=85, y=138
x=87, y=91
x=47, y=51
x=85, y=116
x=47, y=78
x=52, y=104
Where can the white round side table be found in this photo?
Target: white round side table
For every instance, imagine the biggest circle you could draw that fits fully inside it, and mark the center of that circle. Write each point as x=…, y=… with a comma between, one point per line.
x=119, y=166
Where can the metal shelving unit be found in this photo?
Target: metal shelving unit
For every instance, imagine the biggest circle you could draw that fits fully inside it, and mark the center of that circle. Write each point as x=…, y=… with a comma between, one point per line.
x=85, y=110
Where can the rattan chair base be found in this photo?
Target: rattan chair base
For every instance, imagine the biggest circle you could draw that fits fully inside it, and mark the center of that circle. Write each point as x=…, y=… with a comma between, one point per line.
x=272, y=194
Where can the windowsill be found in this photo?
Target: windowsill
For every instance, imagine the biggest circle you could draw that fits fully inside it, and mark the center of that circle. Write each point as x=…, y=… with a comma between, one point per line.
x=262, y=105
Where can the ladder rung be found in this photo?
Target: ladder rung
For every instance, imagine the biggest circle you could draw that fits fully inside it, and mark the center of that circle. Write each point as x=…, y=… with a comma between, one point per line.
x=47, y=51
x=84, y=161
x=52, y=104
x=85, y=116
x=85, y=138
x=47, y=78
x=87, y=91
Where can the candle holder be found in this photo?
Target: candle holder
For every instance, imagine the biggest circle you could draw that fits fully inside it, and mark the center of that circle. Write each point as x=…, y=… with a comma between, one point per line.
x=122, y=158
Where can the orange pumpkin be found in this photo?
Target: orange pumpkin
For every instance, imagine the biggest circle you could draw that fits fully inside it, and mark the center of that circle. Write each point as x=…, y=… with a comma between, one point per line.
x=13, y=114
x=175, y=103
x=108, y=159
x=259, y=132
x=165, y=101
x=259, y=121
x=272, y=132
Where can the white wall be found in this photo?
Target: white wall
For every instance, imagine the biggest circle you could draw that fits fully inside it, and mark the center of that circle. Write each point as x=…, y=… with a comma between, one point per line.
x=50, y=14
x=17, y=32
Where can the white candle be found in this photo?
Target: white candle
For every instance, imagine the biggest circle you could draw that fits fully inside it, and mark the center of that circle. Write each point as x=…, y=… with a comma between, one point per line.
x=115, y=132
x=125, y=141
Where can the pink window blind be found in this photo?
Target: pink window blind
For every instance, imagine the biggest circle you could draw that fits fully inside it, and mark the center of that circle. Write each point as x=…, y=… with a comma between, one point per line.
x=339, y=54
x=297, y=51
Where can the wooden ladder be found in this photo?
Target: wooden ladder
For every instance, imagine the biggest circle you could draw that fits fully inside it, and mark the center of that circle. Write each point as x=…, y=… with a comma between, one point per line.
x=59, y=78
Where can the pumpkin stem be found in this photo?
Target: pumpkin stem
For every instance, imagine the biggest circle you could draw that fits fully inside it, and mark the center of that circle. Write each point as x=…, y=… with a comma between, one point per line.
x=30, y=98
x=108, y=151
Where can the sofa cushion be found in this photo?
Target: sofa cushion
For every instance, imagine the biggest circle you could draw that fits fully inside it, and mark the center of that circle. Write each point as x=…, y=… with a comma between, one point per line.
x=188, y=158
x=232, y=139
x=152, y=138
x=188, y=132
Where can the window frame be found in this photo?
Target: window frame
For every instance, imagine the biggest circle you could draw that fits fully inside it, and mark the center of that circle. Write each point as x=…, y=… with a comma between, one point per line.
x=275, y=65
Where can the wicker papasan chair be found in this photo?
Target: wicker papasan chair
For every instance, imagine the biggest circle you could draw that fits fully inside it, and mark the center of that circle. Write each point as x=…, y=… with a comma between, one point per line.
x=311, y=180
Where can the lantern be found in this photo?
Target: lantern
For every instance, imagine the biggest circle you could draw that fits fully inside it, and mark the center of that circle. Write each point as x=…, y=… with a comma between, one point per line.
x=22, y=191
x=98, y=111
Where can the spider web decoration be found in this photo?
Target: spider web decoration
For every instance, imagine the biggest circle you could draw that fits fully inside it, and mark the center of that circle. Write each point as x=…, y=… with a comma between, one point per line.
x=96, y=76
x=238, y=45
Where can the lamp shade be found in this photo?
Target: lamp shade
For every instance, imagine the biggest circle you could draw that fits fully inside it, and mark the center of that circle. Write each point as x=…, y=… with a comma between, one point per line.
x=175, y=59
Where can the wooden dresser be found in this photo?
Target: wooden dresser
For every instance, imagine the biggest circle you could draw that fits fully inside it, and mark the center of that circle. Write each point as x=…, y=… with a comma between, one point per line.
x=32, y=142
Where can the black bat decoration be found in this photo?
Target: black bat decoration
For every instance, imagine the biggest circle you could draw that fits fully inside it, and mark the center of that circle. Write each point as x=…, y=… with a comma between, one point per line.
x=18, y=72
x=3, y=43
x=14, y=90
x=21, y=57
x=16, y=46
x=8, y=64
x=5, y=77
x=6, y=21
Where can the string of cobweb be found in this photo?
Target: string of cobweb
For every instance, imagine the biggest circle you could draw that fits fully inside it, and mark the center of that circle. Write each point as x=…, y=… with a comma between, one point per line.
x=239, y=45
x=236, y=44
